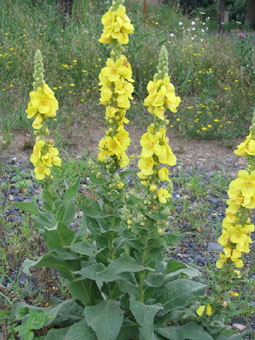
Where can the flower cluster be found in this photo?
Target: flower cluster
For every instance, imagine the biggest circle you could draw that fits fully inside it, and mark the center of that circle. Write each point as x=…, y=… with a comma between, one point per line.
x=44, y=156
x=155, y=148
x=42, y=105
x=161, y=95
x=237, y=226
x=116, y=88
x=117, y=26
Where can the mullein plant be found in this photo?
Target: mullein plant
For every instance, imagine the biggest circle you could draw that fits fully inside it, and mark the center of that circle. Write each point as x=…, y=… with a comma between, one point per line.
x=235, y=239
x=156, y=152
x=42, y=106
x=237, y=226
x=116, y=87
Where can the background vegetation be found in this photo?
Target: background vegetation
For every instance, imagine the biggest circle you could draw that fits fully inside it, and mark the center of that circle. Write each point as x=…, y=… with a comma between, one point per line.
x=213, y=74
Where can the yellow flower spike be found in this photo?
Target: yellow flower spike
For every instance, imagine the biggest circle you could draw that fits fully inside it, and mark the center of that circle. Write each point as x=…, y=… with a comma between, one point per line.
x=116, y=86
x=155, y=147
x=42, y=105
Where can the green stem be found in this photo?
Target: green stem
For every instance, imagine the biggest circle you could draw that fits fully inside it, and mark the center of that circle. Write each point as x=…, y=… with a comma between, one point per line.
x=142, y=276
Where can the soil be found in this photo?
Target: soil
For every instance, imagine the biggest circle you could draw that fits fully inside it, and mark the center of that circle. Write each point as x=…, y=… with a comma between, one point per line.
x=209, y=155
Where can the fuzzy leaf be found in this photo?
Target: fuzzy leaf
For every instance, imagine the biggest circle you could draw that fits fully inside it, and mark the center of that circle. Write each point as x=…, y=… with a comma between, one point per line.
x=84, y=248
x=30, y=207
x=144, y=315
x=105, y=319
x=80, y=331
x=72, y=191
x=59, y=236
x=190, y=331
x=178, y=293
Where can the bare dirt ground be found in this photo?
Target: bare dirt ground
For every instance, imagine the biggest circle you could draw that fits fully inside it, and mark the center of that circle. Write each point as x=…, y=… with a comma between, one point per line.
x=211, y=155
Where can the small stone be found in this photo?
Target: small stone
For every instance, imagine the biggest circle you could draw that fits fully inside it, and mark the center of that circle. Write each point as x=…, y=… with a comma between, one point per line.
x=214, y=247
x=239, y=327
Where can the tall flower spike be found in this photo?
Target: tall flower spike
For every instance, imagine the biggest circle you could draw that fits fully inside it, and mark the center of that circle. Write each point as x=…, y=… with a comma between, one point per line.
x=42, y=106
x=38, y=70
x=155, y=148
x=116, y=87
x=237, y=226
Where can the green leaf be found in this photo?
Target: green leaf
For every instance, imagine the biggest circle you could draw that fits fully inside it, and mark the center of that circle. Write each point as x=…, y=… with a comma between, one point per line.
x=144, y=315
x=59, y=236
x=93, y=210
x=85, y=290
x=129, y=288
x=128, y=331
x=84, y=248
x=92, y=272
x=56, y=334
x=155, y=280
x=80, y=331
x=190, y=331
x=174, y=239
x=66, y=212
x=29, y=336
x=178, y=293
x=30, y=207
x=173, y=266
x=105, y=319
x=72, y=191
x=121, y=265
x=43, y=220
x=111, y=273
x=51, y=260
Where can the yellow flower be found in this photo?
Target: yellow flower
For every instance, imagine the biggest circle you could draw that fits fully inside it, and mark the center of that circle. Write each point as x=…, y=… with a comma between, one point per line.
x=245, y=182
x=146, y=165
x=37, y=123
x=153, y=187
x=42, y=101
x=163, y=195
x=163, y=174
x=148, y=142
x=41, y=171
x=201, y=309
x=116, y=26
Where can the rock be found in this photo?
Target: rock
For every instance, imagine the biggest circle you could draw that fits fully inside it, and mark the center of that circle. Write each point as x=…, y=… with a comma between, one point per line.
x=239, y=327
x=214, y=247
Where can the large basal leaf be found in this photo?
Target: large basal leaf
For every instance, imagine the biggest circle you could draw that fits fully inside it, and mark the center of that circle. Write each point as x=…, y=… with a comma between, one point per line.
x=72, y=191
x=51, y=260
x=65, y=313
x=80, y=331
x=144, y=315
x=55, y=334
x=190, y=331
x=59, y=236
x=84, y=248
x=30, y=207
x=178, y=293
x=105, y=319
